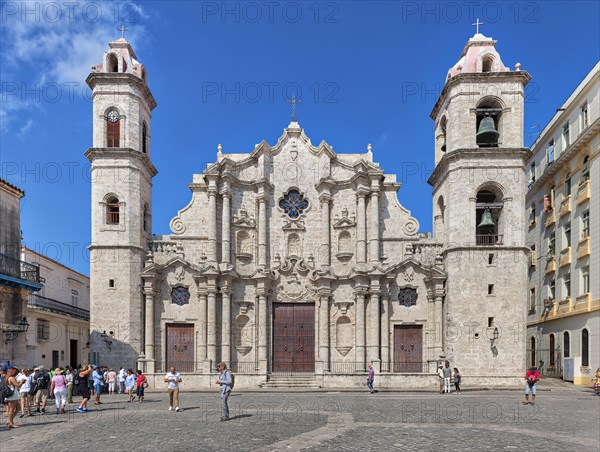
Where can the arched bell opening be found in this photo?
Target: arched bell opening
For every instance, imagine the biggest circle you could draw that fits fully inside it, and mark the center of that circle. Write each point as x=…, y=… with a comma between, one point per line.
x=488, y=216
x=488, y=124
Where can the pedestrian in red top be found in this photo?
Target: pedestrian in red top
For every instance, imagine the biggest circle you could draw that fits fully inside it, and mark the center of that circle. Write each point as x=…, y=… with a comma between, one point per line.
x=141, y=383
x=531, y=376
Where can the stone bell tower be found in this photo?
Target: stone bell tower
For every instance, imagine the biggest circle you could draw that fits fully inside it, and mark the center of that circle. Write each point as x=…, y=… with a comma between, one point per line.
x=479, y=192
x=121, y=176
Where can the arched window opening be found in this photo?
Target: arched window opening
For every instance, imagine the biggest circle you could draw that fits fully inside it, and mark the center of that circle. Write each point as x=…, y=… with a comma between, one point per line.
x=244, y=246
x=487, y=130
x=345, y=243
x=443, y=125
x=113, y=208
x=567, y=344
x=532, y=362
x=552, y=351
x=113, y=129
x=487, y=63
x=144, y=133
x=294, y=245
x=585, y=169
x=112, y=63
x=488, y=212
x=585, y=348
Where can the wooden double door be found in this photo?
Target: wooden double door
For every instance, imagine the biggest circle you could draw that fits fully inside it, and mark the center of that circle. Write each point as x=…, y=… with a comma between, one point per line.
x=180, y=347
x=293, y=337
x=408, y=348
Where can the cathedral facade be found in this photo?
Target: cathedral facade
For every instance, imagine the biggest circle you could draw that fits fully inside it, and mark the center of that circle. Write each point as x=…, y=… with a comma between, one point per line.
x=298, y=265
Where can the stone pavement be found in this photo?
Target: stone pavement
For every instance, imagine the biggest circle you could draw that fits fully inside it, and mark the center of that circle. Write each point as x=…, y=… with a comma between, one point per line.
x=564, y=418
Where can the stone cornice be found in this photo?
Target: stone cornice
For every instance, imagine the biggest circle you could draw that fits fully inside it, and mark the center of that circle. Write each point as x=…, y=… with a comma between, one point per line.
x=523, y=153
x=116, y=153
x=115, y=77
x=478, y=77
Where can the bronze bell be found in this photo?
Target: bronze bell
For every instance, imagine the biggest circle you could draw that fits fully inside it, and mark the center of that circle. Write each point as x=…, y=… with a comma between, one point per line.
x=487, y=133
x=486, y=221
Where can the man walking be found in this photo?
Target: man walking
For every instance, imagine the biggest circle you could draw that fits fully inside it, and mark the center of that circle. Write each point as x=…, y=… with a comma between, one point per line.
x=371, y=378
x=42, y=379
x=121, y=379
x=225, y=381
x=447, y=377
x=173, y=379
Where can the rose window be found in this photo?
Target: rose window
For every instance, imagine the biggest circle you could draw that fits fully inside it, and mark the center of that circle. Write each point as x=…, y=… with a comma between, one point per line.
x=293, y=203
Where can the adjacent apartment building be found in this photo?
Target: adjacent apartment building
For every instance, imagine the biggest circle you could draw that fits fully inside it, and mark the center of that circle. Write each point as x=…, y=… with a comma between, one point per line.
x=563, y=205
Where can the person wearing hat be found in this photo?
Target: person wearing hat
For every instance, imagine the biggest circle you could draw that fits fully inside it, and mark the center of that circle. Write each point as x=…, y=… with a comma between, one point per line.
x=42, y=379
x=59, y=389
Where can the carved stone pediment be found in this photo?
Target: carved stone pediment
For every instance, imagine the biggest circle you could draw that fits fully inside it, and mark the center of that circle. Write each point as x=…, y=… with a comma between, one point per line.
x=297, y=225
x=244, y=220
x=345, y=221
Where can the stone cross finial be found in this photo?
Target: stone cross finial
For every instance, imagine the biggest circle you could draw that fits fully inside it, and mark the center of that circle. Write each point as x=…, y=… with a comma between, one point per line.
x=294, y=101
x=369, y=148
x=477, y=24
x=122, y=29
x=220, y=148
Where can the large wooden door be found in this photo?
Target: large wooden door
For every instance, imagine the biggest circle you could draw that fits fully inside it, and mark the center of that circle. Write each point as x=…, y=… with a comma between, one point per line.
x=180, y=347
x=408, y=348
x=293, y=337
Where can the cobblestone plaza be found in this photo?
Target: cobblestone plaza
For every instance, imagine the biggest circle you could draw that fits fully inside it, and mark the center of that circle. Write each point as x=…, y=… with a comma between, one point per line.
x=564, y=418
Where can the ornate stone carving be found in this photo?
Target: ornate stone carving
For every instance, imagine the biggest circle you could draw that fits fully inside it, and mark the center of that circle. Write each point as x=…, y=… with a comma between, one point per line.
x=409, y=274
x=244, y=220
x=345, y=221
x=411, y=226
x=180, y=274
x=177, y=226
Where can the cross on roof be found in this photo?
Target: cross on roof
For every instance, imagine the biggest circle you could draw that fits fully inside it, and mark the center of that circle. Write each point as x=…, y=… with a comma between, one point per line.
x=477, y=24
x=294, y=101
x=122, y=29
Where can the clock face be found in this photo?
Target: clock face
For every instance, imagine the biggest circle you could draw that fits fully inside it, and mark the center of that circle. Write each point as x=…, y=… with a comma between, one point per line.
x=113, y=116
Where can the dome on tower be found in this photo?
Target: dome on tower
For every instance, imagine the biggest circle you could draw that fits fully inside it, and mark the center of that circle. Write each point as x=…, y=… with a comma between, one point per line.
x=479, y=55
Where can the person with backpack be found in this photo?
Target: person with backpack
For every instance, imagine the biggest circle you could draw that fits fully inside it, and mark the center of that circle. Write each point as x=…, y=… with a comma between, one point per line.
x=80, y=386
x=10, y=393
x=58, y=387
x=226, y=382
x=41, y=384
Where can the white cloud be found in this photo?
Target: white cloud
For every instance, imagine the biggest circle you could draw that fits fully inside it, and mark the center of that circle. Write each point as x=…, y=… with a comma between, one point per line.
x=54, y=43
x=25, y=129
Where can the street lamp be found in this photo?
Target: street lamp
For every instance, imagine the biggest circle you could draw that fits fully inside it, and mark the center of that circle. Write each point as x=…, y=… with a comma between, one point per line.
x=12, y=332
x=495, y=336
x=107, y=339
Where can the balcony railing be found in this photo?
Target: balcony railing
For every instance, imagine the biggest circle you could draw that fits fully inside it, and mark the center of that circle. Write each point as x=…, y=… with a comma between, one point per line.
x=565, y=257
x=583, y=192
x=488, y=239
x=58, y=307
x=565, y=206
x=550, y=218
x=583, y=248
x=550, y=265
x=16, y=268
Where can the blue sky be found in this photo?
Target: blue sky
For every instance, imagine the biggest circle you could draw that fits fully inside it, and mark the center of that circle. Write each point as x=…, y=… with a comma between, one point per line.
x=367, y=72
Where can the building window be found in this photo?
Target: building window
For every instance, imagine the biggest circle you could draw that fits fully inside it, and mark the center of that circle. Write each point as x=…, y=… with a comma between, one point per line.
x=552, y=243
x=552, y=289
x=113, y=129
x=532, y=352
x=532, y=299
x=566, y=140
x=112, y=210
x=567, y=185
x=552, y=350
x=294, y=204
x=532, y=173
x=112, y=63
x=487, y=63
x=585, y=348
x=532, y=214
x=585, y=169
x=43, y=330
x=568, y=234
x=532, y=256
x=144, y=133
x=566, y=344
x=585, y=224
x=585, y=280
x=550, y=152
x=567, y=284
x=111, y=283
x=180, y=295
x=584, y=116
x=74, y=297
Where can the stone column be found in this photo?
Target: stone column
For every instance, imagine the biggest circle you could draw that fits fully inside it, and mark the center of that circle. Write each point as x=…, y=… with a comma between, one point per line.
x=149, y=330
x=202, y=320
x=212, y=225
x=439, y=325
x=325, y=257
x=373, y=349
x=226, y=324
x=262, y=329
x=211, y=325
x=324, y=330
x=226, y=229
x=360, y=330
x=385, y=331
x=374, y=224
x=361, y=232
x=262, y=230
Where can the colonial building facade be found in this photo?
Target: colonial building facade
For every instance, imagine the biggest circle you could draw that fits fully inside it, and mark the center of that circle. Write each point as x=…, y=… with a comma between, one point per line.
x=297, y=264
x=563, y=210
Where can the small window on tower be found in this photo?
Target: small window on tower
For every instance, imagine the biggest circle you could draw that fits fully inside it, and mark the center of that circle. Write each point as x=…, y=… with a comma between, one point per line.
x=113, y=129
x=112, y=63
x=144, y=133
x=112, y=211
x=111, y=283
x=490, y=289
x=487, y=63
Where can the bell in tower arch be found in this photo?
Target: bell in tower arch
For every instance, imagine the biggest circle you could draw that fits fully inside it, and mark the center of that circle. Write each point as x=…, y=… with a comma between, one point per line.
x=487, y=223
x=487, y=134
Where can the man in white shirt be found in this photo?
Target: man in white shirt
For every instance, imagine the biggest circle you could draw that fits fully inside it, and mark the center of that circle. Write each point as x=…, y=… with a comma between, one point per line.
x=173, y=379
x=121, y=379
